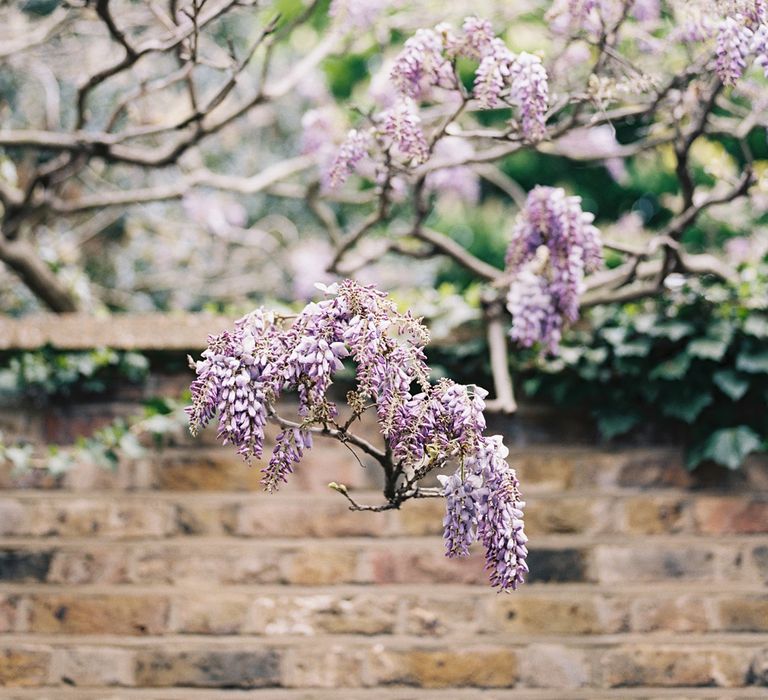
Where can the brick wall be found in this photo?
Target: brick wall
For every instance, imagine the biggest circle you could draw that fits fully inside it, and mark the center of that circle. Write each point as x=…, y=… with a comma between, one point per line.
x=173, y=577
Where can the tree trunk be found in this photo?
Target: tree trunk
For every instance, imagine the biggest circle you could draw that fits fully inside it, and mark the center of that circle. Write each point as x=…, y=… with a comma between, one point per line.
x=23, y=259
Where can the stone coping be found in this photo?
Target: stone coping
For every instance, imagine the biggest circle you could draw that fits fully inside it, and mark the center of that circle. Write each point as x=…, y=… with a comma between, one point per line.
x=153, y=331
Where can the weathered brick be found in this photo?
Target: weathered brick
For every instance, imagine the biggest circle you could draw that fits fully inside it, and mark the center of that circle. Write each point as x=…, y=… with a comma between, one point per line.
x=324, y=666
x=654, y=469
x=655, y=515
x=217, y=668
x=196, y=613
x=92, y=666
x=289, y=517
x=322, y=614
x=565, y=515
x=23, y=667
x=419, y=564
x=482, y=667
x=202, y=518
x=760, y=558
x=419, y=518
x=758, y=669
x=20, y=565
x=97, y=565
x=12, y=517
x=12, y=613
x=679, y=614
x=433, y=616
x=553, y=470
x=531, y=615
x=213, y=470
x=318, y=565
x=731, y=515
x=98, y=614
x=744, y=614
x=553, y=666
x=674, y=667
x=145, y=518
x=643, y=562
x=558, y=565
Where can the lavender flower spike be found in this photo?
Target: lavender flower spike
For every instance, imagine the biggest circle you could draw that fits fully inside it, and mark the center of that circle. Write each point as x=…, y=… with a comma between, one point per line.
x=733, y=46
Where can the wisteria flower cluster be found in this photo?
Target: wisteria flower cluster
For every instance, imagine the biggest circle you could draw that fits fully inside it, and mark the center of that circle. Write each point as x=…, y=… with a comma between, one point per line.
x=425, y=426
x=740, y=31
x=425, y=69
x=553, y=246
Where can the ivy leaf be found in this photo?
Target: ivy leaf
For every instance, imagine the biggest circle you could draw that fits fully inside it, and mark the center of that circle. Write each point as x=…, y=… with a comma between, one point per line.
x=754, y=364
x=613, y=423
x=674, y=368
x=731, y=383
x=615, y=336
x=687, y=408
x=673, y=330
x=708, y=348
x=756, y=326
x=728, y=446
x=640, y=347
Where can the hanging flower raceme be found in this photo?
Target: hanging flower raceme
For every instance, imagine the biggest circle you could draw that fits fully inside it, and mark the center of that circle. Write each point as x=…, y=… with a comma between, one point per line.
x=425, y=71
x=553, y=246
x=243, y=373
x=734, y=42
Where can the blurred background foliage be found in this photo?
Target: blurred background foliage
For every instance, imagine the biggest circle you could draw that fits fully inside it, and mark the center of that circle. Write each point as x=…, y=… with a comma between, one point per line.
x=695, y=361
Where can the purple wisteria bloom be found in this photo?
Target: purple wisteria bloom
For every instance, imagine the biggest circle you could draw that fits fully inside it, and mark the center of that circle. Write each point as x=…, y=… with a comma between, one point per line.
x=553, y=246
x=493, y=73
x=353, y=149
x=401, y=125
x=421, y=65
x=426, y=426
x=734, y=41
x=530, y=92
x=483, y=503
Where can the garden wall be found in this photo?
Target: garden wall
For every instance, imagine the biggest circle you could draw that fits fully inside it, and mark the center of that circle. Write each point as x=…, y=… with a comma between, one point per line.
x=173, y=576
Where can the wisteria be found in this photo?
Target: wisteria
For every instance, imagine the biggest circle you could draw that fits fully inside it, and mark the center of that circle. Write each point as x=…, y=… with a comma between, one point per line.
x=425, y=426
x=530, y=92
x=553, y=246
x=402, y=127
x=493, y=74
x=425, y=65
x=733, y=45
x=351, y=152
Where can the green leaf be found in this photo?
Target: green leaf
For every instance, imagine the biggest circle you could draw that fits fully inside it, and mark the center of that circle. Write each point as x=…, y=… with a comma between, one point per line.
x=731, y=383
x=674, y=368
x=708, y=348
x=640, y=347
x=673, y=330
x=754, y=364
x=756, y=326
x=687, y=408
x=728, y=447
x=615, y=336
x=613, y=423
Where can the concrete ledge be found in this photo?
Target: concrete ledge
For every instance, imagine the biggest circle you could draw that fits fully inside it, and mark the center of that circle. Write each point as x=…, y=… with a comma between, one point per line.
x=122, y=332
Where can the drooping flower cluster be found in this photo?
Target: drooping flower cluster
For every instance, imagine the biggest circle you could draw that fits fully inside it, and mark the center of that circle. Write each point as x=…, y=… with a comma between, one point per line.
x=426, y=426
x=425, y=71
x=553, y=246
x=734, y=40
x=484, y=503
x=356, y=14
x=740, y=28
x=354, y=148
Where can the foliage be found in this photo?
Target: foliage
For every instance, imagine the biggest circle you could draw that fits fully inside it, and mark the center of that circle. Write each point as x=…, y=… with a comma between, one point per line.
x=694, y=361
x=160, y=420
x=51, y=373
